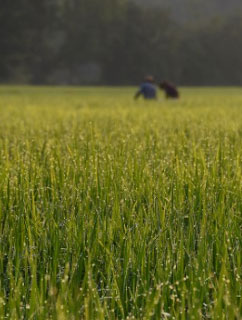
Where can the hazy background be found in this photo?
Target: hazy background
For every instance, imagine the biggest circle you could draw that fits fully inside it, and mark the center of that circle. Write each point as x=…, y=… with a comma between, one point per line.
x=117, y=42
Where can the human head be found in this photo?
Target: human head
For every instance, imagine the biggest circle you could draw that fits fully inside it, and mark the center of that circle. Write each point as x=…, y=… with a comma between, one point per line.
x=149, y=79
x=163, y=84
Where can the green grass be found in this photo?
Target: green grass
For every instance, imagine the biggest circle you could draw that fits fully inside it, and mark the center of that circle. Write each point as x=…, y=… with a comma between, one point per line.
x=115, y=209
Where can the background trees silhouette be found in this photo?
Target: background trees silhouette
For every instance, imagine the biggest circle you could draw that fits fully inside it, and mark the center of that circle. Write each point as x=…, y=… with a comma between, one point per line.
x=117, y=42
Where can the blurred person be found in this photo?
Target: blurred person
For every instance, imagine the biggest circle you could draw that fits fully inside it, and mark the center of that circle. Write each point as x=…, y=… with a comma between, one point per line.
x=147, y=89
x=170, y=90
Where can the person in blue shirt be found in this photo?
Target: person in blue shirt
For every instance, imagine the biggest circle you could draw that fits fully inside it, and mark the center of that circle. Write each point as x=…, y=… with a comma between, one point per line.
x=147, y=89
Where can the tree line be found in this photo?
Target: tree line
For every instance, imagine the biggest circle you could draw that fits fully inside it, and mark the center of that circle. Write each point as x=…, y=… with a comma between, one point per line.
x=114, y=42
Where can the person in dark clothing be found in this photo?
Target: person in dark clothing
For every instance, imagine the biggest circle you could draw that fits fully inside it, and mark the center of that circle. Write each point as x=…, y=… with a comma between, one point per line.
x=147, y=89
x=170, y=90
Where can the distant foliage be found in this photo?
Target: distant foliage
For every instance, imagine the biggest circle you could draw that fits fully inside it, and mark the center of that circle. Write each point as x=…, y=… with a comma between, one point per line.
x=115, y=42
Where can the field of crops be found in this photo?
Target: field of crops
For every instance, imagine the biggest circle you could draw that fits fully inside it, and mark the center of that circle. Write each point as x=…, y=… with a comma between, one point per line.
x=118, y=209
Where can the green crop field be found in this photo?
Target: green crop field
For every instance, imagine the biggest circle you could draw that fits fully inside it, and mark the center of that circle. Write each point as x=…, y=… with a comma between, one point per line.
x=112, y=208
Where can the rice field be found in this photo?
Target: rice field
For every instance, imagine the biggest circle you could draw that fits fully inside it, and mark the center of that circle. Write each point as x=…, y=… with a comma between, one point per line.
x=112, y=208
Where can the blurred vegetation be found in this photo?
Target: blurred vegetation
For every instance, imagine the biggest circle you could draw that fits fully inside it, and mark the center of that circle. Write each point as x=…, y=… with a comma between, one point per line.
x=117, y=42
